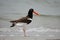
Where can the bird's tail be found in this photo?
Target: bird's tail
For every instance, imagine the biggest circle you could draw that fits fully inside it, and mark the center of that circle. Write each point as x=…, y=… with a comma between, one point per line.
x=12, y=21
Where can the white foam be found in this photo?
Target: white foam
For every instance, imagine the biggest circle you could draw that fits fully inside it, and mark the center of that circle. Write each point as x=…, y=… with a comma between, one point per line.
x=51, y=35
x=42, y=29
x=11, y=35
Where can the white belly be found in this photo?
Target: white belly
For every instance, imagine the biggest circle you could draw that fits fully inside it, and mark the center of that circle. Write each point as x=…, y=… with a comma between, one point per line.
x=20, y=24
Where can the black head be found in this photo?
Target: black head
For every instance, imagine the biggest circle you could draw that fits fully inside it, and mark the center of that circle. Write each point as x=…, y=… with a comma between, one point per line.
x=30, y=13
x=31, y=10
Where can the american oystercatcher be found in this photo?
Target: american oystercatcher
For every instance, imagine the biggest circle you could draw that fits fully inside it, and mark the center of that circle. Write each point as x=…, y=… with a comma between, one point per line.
x=24, y=20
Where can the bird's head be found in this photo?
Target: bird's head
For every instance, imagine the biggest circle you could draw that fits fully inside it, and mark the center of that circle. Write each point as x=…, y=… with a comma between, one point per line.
x=34, y=12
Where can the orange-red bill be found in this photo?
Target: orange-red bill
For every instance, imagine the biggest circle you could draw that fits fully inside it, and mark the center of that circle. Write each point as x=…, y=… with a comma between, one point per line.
x=36, y=13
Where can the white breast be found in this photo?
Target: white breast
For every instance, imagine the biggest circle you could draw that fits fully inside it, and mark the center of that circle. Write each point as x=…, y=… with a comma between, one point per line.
x=29, y=19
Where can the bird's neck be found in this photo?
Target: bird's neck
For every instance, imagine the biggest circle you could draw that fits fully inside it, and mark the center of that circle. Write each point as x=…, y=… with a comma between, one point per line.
x=30, y=15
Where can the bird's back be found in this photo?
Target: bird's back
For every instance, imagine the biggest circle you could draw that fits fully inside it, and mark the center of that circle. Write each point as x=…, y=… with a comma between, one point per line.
x=23, y=20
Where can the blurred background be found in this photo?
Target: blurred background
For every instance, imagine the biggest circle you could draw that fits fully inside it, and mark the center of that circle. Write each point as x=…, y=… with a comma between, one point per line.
x=45, y=7
x=47, y=25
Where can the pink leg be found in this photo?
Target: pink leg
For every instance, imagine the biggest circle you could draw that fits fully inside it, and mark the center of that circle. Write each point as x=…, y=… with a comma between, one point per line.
x=24, y=30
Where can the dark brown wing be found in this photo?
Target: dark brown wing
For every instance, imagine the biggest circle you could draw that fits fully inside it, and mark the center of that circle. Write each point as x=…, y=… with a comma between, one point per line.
x=22, y=20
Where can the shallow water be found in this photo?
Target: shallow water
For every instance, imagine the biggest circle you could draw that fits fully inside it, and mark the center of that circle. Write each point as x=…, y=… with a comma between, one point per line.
x=42, y=26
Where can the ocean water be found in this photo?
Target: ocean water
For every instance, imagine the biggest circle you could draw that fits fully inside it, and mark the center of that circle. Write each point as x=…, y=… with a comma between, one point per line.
x=42, y=26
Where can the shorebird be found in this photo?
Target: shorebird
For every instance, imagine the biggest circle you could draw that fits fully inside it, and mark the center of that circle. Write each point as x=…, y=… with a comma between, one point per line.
x=25, y=20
